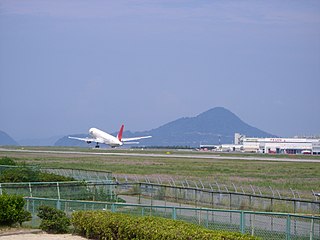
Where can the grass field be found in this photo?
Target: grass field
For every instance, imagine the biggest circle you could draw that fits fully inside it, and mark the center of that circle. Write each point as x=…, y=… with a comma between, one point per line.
x=301, y=176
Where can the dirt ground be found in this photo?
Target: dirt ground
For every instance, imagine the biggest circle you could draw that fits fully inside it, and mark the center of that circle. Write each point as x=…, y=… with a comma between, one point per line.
x=41, y=236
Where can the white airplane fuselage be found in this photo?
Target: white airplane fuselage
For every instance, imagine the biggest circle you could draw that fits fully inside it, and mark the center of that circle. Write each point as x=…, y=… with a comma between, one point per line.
x=99, y=136
x=105, y=137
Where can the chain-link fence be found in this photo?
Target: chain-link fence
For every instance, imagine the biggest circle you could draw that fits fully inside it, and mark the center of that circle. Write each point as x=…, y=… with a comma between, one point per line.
x=313, y=195
x=246, y=190
x=79, y=190
x=199, y=184
x=150, y=193
x=80, y=174
x=202, y=193
x=264, y=225
x=173, y=200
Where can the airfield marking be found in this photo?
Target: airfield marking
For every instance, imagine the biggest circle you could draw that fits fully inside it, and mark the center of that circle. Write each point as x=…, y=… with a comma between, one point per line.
x=166, y=155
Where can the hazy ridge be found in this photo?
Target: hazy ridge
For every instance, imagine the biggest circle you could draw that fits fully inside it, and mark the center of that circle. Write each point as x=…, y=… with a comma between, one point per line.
x=214, y=126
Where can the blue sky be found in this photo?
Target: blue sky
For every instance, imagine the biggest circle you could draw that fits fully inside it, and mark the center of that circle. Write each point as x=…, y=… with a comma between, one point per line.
x=66, y=66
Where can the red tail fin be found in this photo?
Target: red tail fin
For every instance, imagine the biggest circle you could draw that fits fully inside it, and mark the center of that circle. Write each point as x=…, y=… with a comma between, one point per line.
x=119, y=136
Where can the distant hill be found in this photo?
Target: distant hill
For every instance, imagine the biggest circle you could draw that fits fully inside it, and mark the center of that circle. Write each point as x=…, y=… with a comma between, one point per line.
x=65, y=141
x=6, y=140
x=214, y=126
x=217, y=125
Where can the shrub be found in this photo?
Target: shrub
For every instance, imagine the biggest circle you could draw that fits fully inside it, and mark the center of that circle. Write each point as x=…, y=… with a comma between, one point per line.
x=12, y=211
x=107, y=225
x=53, y=220
x=51, y=177
x=24, y=173
x=28, y=174
x=21, y=174
x=7, y=161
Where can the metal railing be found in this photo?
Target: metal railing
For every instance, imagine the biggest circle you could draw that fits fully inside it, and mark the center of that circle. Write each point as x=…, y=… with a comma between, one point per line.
x=230, y=187
x=262, y=224
x=79, y=190
x=91, y=175
x=148, y=193
x=175, y=200
x=80, y=174
x=223, y=199
x=199, y=184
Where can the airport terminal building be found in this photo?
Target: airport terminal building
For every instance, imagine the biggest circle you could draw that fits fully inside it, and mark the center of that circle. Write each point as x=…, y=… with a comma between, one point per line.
x=269, y=145
x=281, y=145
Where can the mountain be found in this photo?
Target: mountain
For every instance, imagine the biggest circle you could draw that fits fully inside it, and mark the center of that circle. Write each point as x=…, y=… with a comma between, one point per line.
x=65, y=141
x=6, y=140
x=217, y=125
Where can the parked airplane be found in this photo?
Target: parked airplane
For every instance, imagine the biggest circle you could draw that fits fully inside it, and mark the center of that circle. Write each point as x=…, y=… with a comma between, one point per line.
x=99, y=136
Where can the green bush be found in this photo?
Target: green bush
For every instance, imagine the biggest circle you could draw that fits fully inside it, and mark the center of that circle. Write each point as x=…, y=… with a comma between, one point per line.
x=25, y=173
x=107, y=225
x=53, y=220
x=12, y=211
x=51, y=177
x=7, y=161
x=28, y=174
x=21, y=174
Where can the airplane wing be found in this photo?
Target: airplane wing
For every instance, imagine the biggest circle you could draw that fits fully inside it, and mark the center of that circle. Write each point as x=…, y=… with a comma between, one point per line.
x=128, y=143
x=88, y=140
x=134, y=138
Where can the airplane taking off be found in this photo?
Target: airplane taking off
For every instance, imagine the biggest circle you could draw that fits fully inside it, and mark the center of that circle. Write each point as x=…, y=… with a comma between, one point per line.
x=99, y=136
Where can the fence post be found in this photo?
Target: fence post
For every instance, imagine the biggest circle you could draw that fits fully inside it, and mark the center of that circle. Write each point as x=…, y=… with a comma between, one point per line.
x=195, y=197
x=27, y=204
x=94, y=193
x=33, y=213
x=166, y=194
x=174, y=213
x=242, y=222
x=288, y=230
x=58, y=189
x=212, y=200
x=113, y=209
x=30, y=189
x=0, y=189
x=253, y=223
x=207, y=220
x=311, y=229
x=139, y=192
x=58, y=205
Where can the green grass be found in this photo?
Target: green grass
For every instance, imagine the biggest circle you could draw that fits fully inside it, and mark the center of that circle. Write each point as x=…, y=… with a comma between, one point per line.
x=301, y=176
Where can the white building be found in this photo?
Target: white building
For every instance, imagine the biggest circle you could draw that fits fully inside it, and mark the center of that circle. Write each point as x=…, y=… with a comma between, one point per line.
x=282, y=145
x=222, y=147
x=268, y=145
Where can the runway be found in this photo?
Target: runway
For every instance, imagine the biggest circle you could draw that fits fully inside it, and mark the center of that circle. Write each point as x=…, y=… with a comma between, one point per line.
x=194, y=156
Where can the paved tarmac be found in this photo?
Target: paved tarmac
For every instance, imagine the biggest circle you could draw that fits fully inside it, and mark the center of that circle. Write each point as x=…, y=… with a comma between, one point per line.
x=194, y=156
